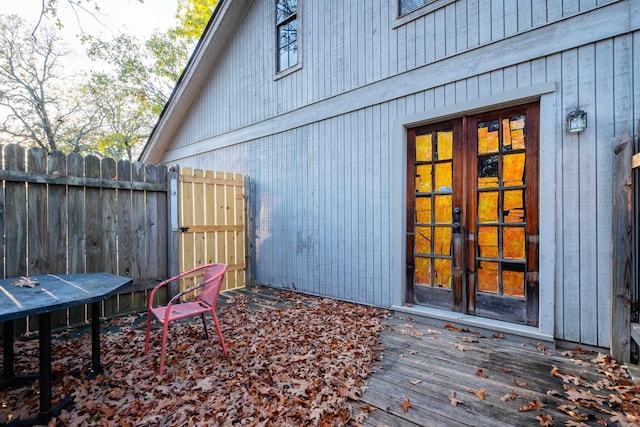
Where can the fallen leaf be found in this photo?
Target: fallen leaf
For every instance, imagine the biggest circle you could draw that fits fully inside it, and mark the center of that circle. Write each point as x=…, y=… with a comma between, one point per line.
x=414, y=382
x=509, y=396
x=572, y=412
x=460, y=347
x=481, y=373
x=545, y=420
x=535, y=404
x=453, y=400
x=498, y=335
x=567, y=378
x=25, y=282
x=519, y=383
x=367, y=408
x=406, y=404
x=480, y=393
x=451, y=327
x=507, y=370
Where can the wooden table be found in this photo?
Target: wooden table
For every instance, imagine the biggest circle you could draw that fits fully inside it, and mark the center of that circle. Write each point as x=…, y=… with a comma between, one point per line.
x=52, y=293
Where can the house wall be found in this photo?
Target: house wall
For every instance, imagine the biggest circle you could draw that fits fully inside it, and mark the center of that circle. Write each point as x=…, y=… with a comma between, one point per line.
x=324, y=145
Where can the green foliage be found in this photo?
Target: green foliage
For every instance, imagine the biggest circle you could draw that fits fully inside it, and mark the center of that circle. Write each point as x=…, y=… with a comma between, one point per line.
x=193, y=17
x=146, y=72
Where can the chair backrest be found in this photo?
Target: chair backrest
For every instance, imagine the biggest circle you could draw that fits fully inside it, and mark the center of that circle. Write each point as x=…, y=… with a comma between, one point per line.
x=213, y=278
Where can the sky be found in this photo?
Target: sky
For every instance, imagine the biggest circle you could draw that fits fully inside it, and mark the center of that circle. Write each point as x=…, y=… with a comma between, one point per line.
x=115, y=16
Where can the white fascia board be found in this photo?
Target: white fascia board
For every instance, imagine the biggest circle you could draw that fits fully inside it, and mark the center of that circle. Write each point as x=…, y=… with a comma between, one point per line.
x=212, y=45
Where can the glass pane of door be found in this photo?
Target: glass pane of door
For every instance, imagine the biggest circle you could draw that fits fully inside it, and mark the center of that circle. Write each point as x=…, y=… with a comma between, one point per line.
x=501, y=211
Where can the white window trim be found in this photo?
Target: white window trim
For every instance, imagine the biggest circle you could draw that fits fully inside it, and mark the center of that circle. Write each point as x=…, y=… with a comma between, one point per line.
x=413, y=15
x=285, y=72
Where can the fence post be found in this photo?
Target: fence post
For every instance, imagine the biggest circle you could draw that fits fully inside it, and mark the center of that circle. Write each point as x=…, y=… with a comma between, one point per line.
x=621, y=250
x=173, y=250
x=248, y=230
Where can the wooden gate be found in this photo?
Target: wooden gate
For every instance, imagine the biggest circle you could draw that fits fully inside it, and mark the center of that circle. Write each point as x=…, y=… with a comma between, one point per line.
x=212, y=222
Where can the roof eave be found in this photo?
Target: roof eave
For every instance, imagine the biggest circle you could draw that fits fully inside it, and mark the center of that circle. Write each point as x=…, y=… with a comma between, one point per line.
x=214, y=41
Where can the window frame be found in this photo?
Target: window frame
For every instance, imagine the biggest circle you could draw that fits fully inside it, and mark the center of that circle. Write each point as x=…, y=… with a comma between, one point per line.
x=429, y=7
x=293, y=17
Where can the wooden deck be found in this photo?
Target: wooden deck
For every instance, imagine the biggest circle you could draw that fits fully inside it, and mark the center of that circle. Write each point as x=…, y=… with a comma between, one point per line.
x=426, y=366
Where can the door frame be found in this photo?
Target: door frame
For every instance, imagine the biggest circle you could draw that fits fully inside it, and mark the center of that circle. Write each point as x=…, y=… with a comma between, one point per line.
x=550, y=126
x=462, y=295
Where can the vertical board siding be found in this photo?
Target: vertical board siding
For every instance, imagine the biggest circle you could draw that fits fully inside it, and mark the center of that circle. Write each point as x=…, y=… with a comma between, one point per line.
x=322, y=213
x=346, y=45
x=587, y=181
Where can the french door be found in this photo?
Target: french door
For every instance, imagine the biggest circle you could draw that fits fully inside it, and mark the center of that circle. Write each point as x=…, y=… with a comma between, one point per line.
x=472, y=215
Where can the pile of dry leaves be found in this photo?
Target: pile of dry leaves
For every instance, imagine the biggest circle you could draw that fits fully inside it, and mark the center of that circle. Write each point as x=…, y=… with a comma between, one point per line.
x=613, y=394
x=294, y=366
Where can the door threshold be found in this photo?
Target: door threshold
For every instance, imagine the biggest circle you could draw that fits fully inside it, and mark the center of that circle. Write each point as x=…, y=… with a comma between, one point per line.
x=512, y=331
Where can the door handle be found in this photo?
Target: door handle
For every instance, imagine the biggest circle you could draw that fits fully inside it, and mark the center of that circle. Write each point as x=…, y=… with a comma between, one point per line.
x=456, y=219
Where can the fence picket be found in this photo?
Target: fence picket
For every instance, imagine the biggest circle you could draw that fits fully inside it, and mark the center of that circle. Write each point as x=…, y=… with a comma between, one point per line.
x=109, y=232
x=139, y=254
x=37, y=233
x=77, y=230
x=15, y=221
x=125, y=238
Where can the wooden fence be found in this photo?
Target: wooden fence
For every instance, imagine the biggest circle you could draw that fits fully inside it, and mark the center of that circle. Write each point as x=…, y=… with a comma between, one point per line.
x=72, y=214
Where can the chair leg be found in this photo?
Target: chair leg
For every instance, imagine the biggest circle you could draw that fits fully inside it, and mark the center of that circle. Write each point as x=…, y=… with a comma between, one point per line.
x=215, y=319
x=206, y=333
x=165, y=329
x=146, y=341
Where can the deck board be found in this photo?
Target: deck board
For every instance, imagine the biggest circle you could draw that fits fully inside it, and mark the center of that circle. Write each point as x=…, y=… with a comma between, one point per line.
x=426, y=353
x=425, y=363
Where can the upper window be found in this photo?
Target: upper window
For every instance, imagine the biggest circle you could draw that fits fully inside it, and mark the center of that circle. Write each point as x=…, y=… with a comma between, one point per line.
x=287, y=29
x=406, y=6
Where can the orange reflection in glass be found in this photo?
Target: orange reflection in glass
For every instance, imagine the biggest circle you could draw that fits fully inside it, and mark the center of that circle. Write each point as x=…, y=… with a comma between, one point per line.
x=442, y=240
x=513, y=242
x=423, y=178
x=423, y=240
x=513, y=206
x=516, y=126
x=513, y=283
x=488, y=206
x=488, y=241
x=443, y=209
x=422, y=271
x=488, y=137
x=506, y=135
x=423, y=209
x=442, y=273
x=445, y=145
x=513, y=169
x=423, y=148
x=488, y=277
x=443, y=176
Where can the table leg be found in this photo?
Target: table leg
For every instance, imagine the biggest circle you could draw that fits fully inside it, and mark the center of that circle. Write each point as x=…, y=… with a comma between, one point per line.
x=7, y=355
x=45, y=366
x=95, y=338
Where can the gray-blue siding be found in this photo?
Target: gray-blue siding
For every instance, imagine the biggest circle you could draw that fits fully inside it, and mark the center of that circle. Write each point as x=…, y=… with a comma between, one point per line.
x=318, y=144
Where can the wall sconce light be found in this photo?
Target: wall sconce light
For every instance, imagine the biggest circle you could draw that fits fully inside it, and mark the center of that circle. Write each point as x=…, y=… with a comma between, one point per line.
x=577, y=121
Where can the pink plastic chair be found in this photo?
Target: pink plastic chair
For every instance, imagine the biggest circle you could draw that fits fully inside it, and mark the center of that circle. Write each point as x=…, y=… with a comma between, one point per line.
x=206, y=302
